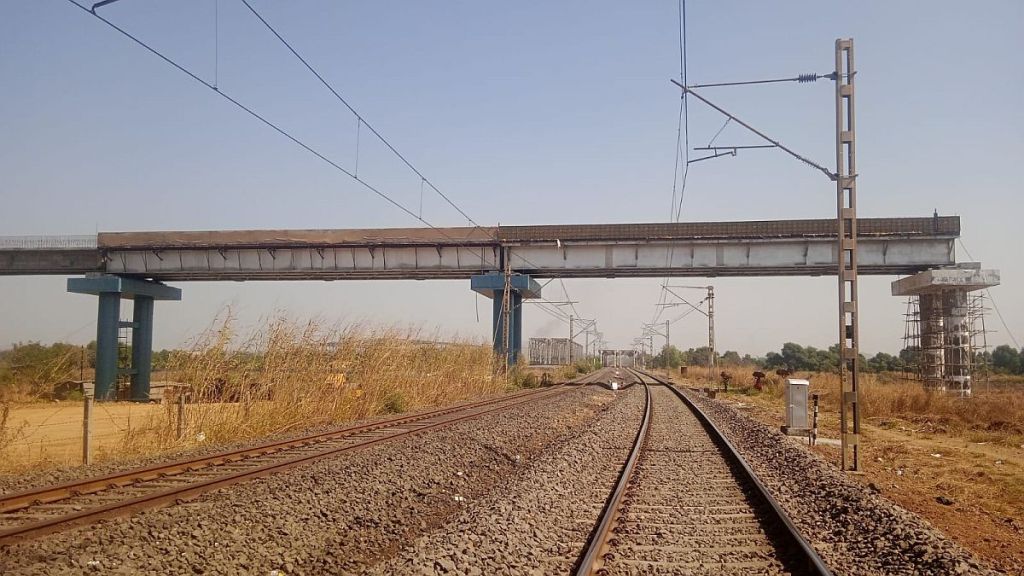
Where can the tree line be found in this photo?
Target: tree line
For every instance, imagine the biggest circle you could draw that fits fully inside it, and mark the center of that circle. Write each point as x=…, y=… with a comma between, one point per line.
x=792, y=356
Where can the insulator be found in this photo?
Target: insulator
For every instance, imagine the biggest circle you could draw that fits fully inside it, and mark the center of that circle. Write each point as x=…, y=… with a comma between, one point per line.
x=802, y=78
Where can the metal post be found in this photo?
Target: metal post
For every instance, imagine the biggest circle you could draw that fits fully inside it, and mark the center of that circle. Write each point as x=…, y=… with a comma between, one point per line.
x=570, y=341
x=181, y=414
x=711, y=334
x=87, y=431
x=846, y=217
x=506, y=303
x=813, y=438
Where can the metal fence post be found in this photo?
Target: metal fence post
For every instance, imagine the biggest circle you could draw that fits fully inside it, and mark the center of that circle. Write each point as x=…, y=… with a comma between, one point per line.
x=87, y=431
x=813, y=437
x=181, y=415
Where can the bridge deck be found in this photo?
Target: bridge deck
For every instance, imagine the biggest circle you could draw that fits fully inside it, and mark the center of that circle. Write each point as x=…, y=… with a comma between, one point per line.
x=758, y=248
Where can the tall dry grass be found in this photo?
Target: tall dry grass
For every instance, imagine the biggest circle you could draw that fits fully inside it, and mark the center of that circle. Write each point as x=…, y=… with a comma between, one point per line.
x=289, y=375
x=991, y=414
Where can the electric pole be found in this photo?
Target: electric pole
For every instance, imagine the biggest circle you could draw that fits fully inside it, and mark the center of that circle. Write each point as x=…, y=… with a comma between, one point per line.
x=711, y=334
x=570, y=340
x=846, y=184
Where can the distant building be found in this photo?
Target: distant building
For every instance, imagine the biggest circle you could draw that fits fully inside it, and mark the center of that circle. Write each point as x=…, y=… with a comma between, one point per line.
x=553, y=351
x=619, y=358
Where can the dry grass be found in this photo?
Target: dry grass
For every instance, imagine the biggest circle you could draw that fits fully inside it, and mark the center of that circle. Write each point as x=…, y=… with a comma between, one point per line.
x=992, y=414
x=289, y=375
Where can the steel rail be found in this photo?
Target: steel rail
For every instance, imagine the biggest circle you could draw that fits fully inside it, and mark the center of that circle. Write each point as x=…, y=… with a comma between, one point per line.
x=186, y=492
x=593, y=556
x=815, y=564
x=49, y=494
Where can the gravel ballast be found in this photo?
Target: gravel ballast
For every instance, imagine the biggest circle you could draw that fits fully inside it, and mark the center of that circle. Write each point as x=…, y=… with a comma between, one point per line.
x=537, y=522
x=854, y=530
x=335, y=515
x=511, y=492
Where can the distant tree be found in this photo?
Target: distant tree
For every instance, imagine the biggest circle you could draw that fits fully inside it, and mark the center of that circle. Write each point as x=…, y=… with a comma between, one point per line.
x=669, y=357
x=1007, y=360
x=30, y=369
x=731, y=358
x=883, y=362
x=795, y=357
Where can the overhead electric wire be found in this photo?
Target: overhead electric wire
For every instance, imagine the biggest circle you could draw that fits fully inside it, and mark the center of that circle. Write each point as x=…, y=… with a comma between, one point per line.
x=299, y=142
x=993, y=300
x=250, y=111
x=682, y=152
x=356, y=113
x=802, y=78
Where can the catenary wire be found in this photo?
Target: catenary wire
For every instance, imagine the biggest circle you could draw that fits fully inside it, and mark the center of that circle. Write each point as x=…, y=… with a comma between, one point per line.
x=993, y=300
x=356, y=113
x=302, y=144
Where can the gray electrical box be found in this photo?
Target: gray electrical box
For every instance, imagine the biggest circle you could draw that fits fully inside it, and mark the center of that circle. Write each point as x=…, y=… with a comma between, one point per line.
x=796, y=406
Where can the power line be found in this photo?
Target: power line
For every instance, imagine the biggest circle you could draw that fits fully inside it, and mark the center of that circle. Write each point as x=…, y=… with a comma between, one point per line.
x=250, y=111
x=362, y=120
x=802, y=78
x=302, y=144
x=993, y=300
x=682, y=152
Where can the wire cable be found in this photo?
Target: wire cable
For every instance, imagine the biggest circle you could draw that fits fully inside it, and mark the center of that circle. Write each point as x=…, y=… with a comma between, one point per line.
x=250, y=111
x=993, y=300
x=307, y=147
x=356, y=113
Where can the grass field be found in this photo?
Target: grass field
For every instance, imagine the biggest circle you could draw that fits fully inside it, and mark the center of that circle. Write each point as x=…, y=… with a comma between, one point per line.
x=280, y=377
x=43, y=435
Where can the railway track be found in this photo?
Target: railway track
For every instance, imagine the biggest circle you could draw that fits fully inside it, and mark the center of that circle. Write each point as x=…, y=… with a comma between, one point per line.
x=686, y=503
x=50, y=509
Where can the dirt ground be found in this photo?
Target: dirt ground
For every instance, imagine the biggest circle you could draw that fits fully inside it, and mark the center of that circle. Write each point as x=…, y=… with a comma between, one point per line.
x=50, y=434
x=972, y=491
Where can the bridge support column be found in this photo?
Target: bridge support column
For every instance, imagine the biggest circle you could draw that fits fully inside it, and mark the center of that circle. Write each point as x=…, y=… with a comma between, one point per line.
x=111, y=290
x=520, y=287
x=946, y=356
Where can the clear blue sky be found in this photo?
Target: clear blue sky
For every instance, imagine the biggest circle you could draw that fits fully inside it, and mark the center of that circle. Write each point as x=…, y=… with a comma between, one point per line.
x=525, y=112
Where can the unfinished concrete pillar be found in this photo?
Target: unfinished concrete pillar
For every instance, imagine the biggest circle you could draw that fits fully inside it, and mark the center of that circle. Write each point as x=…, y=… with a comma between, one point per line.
x=932, y=338
x=945, y=326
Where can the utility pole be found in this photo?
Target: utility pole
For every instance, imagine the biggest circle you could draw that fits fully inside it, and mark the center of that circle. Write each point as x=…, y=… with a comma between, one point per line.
x=506, y=309
x=570, y=340
x=846, y=217
x=711, y=334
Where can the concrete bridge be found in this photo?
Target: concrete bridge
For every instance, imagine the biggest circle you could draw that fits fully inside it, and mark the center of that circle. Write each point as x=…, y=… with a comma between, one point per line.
x=887, y=246
x=135, y=265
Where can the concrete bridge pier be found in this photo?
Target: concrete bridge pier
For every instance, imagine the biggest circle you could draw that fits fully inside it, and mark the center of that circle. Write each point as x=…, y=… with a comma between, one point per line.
x=944, y=320
x=520, y=287
x=111, y=290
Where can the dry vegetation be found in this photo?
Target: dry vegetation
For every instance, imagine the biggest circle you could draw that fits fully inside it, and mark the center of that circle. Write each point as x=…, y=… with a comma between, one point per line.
x=289, y=375
x=994, y=414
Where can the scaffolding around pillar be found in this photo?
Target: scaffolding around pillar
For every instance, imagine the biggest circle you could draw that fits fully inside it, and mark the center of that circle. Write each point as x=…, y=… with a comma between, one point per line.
x=944, y=337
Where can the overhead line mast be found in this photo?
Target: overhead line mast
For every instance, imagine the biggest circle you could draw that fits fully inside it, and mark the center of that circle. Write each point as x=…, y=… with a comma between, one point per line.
x=846, y=184
x=845, y=178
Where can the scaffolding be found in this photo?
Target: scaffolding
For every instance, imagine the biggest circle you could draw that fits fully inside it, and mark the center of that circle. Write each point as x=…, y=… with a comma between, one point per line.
x=945, y=341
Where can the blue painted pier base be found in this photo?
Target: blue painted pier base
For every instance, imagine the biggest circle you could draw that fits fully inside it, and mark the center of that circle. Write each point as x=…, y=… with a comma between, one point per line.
x=110, y=290
x=521, y=287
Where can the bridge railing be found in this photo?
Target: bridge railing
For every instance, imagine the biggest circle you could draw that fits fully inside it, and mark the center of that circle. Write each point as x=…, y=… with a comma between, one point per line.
x=62, y=242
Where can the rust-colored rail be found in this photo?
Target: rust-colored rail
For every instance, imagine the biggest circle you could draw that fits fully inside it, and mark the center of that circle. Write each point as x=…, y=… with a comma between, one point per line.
x=31, y=498
x=593, y=556
x=598, y=546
